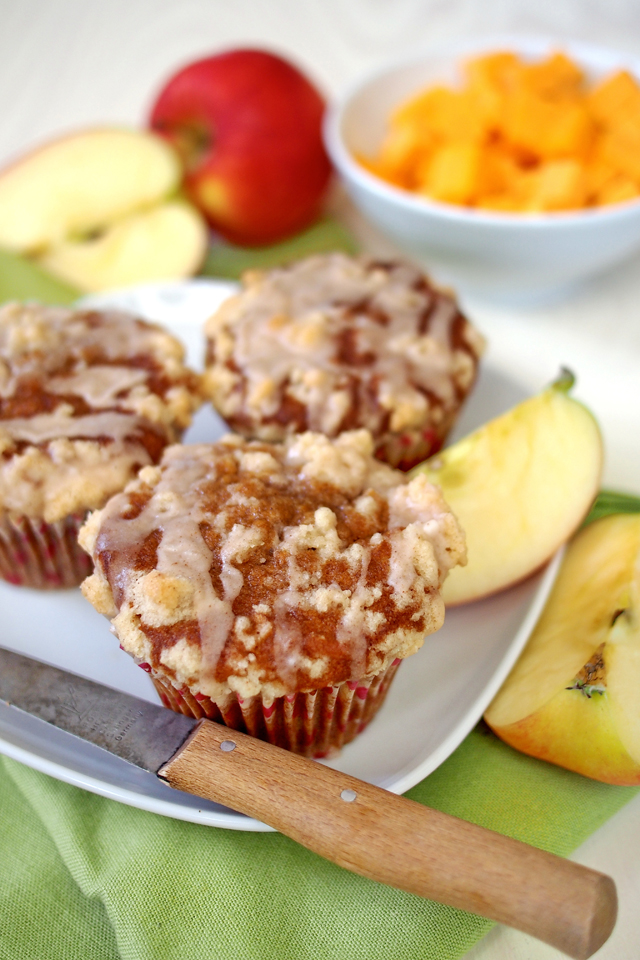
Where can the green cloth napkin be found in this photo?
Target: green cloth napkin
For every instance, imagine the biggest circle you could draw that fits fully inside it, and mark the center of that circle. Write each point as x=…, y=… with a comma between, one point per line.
x=22, y=279
x=229, y=261
x=85, y=878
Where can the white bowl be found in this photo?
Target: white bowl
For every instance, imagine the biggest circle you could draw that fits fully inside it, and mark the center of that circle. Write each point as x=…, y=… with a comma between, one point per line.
x=496, y=254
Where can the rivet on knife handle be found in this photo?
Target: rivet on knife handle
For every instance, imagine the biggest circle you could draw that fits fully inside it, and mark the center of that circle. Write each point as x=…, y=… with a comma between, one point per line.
x=398, y=841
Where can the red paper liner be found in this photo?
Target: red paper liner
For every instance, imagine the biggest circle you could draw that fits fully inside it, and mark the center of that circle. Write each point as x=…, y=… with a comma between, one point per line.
x=46, y=556
x=406, y=450
x=314, y=724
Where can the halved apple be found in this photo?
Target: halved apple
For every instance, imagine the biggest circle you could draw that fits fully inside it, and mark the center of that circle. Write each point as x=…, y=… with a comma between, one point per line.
x=572, y=697
x=520, y=486
x=165, y=242
x=57, y=200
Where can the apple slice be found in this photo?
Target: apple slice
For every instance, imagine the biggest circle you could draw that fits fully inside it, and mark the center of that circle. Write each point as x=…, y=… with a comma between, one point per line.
x=572, y=697
x=81, y=183
x=520, y=486
x=166, y=242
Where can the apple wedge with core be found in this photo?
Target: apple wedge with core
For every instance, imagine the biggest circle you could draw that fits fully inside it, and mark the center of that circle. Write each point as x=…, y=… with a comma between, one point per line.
x=520, y=486
x=164, y=243
x=98, y=208
x=572, y=697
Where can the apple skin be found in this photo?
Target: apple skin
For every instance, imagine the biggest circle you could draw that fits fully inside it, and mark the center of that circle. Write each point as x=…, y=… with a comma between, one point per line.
x=572, y=697
x=247, y=125
x=578, y=733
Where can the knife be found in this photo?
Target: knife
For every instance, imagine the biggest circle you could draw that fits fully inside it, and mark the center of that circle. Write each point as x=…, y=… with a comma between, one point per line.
x=358, y=826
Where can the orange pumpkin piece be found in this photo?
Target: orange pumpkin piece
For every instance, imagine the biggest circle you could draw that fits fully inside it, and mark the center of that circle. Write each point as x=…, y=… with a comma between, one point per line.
x=613, y=100
x=447, y=114
x=621, y=148
x=453, y=173
x=555, y=78
x=546, y=129
x=518, y=136
x=500, y=70
x=557, y=185
x=617, y=190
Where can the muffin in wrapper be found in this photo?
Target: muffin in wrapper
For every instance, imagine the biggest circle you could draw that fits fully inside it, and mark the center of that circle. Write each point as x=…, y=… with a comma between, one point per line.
x=334, y=343
x=86, y=399
x=273, y=587
x=46, y=556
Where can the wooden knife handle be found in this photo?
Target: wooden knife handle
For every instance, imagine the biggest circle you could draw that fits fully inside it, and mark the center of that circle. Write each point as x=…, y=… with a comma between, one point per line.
x=398, y=841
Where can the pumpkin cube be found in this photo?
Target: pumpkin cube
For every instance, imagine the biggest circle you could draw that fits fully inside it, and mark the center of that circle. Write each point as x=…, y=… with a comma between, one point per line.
x=555, y=78
x=556, y=185
x=613, y=100
x=453, y=173
x=545, y=129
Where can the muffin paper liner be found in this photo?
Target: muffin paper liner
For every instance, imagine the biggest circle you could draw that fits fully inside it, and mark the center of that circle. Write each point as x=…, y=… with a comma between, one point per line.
x=405, y=451
x=46, y=556
x=315, y=724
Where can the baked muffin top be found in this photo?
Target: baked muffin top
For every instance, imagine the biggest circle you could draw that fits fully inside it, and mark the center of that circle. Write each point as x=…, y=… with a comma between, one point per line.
x=86, y=399
x=271, y=569
x=331, y=343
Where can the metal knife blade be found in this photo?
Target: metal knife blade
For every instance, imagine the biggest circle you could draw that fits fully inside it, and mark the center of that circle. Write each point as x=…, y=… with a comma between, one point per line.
x=131, y=728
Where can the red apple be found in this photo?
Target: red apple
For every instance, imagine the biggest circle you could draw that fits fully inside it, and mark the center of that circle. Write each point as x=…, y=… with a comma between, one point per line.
x=247, y=125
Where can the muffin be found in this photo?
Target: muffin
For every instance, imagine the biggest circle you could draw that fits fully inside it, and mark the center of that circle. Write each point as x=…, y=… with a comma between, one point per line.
x=86, y=399
x=273, y=587
x=333, y=343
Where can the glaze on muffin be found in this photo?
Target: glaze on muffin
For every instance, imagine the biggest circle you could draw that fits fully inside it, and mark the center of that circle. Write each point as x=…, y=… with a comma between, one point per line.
x=266, y=570
x=333, y=343
x=87, y=398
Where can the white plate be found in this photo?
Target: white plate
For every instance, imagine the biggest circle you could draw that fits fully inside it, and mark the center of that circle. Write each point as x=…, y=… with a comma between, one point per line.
x=434, y=702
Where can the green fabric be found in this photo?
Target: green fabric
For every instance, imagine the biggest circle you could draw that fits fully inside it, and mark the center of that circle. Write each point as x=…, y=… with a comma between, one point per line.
x=84, y=877
x=21, y=279
x=226, y=260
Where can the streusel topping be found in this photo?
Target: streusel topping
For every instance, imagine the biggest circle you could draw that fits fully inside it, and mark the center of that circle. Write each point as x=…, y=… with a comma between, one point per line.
x=331, y=343
x=272, y=568
x=86, y=399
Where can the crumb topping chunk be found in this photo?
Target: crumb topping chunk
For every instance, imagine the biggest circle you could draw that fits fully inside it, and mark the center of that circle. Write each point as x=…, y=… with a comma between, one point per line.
x=86, y=399
x=271, y=569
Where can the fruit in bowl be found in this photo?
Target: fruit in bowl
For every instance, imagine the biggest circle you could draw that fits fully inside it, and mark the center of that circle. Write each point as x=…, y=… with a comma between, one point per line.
x=247, y=125
x=517, y=136
x=99, y=209
x=480, y=250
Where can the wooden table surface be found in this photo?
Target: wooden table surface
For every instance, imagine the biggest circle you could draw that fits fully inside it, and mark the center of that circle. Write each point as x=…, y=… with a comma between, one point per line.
x=69, y=64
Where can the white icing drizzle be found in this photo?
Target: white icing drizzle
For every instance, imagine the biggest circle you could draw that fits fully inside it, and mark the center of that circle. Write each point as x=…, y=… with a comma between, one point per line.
x=48, y=426
x=105, y=360
x=285, y=330
x=174, y=507
x=98, y=385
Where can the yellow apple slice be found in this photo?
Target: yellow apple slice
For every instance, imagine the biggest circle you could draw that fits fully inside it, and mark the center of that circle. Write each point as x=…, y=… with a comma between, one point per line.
x=80, y=183
x=520, y=486
x=572, y=697
x=166, y=242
